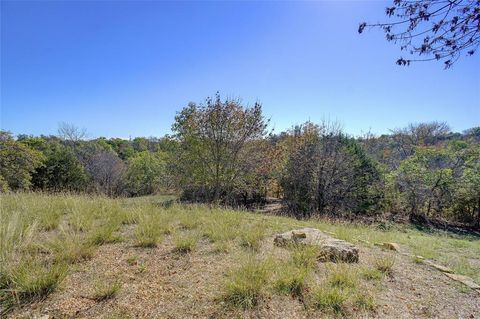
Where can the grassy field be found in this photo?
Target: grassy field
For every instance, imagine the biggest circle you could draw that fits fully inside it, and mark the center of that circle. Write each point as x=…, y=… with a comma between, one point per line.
x=48, y=242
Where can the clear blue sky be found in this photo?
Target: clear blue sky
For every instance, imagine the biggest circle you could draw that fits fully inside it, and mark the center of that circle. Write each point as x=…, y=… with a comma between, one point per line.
x=120, y=68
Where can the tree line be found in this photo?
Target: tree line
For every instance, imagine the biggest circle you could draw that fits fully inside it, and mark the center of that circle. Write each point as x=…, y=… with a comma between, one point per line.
x=221, y=151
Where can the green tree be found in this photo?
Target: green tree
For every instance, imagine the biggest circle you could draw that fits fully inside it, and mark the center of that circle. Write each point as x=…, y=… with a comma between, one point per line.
x=61, y=170
x=17, y=163
x=212, y=147
x=146, y=173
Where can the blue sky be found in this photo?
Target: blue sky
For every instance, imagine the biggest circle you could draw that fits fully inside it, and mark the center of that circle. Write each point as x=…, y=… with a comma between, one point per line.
x=120, y=68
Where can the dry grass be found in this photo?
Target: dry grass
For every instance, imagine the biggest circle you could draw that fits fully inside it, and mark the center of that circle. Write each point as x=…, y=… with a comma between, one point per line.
x=46, y=238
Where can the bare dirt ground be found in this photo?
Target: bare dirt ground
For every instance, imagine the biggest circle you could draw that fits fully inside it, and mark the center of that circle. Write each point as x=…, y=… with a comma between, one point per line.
x=160, y=283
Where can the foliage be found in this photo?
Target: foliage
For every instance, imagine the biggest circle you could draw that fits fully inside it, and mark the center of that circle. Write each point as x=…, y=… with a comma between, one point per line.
x=327, y=172
x=433, y=30
x=146, y=173
x=213, y=155
x=17, y=163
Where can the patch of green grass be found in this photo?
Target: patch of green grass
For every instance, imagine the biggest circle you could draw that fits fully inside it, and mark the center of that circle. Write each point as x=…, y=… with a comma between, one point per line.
x=304, y=256
x=371, y=273
x=49, y=220
x=365, y=300
x=185, y=243
x=104, y=290
x=245, y=285
x=331, y=299
x=251, y=236
x=342, y=277
x=149, y=231
x=31, y=280
x=104, y=235
x=71, y=249
x=385, y=264
x=290, y=279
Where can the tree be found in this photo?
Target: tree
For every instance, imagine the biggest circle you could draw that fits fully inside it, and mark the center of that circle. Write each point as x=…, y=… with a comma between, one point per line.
x=467, y=189
x=422, y=134
x=426, y=180
x=17, y=163
x=434, y=30
x=147, y=173
x=107, y=171
x=70, y=133
x=328, y=172
x=62, y=171
x=212, y=139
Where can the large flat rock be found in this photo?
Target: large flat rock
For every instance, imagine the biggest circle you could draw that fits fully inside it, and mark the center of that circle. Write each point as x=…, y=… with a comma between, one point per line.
x=331, y=249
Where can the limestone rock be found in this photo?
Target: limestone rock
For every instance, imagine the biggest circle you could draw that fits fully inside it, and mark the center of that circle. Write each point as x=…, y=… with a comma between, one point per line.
x=390, y=246
x=331, y=249
x=438, y=267
x=467, y=281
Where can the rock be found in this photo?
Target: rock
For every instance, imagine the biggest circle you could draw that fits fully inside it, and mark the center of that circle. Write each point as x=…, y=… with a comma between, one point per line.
x=331, y=249
x=390, y=246
x=467, y=281
x=438, y=267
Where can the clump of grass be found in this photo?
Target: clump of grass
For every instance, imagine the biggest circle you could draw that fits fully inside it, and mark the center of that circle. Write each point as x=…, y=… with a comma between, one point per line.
x=245, y=285
x=104, y=290
x=385, y=264
x=31, y=280
x=342, y=277
x=148, y=232
x=371, y=273
x=251, y=237
x=71, y=249
x=221, y=247
x=220, y=230
x=290, y=279
x=331, y=299
x=365, y=301
x=105, y=234
x=49, y=219
x=305, y=256
x=132, y=261
x=188, y=220
x=185, y=243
